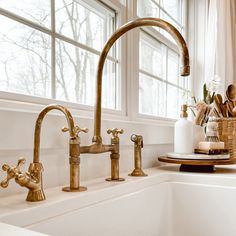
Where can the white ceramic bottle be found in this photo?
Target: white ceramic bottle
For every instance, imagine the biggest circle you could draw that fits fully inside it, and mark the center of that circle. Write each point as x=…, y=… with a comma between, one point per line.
x=183, y=141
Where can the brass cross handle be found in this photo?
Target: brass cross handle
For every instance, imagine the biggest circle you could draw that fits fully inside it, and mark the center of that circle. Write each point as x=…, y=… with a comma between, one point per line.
x=137, y=139
x=76, y=130
x=115, y=132
x=11, y=172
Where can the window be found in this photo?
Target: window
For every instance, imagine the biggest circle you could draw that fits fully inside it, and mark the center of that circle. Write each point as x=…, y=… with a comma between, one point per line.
x=50, y=49
x=160, y=86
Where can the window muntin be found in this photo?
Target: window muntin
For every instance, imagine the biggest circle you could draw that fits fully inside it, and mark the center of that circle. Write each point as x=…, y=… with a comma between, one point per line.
x=60, y=59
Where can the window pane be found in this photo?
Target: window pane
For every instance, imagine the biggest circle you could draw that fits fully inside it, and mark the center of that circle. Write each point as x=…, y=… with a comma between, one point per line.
x=183, y=98
x=152, y=96
x=183, y=82
x=173, y=67
x=173, y=8
x=25, y=59
x=172, y=102
x=111, y=87
x=148, y=9
x=37, y=11
x=79, y=22
x=151, y=59
x=76, y=74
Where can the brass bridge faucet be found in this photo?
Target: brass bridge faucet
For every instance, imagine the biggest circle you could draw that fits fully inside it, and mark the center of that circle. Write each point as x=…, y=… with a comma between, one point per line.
x=97, y=145
x=138, y=145
x=33, y=178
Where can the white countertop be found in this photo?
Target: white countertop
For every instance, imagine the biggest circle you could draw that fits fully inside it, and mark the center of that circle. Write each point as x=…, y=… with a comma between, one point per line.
x=10, y=230
x=16, y=211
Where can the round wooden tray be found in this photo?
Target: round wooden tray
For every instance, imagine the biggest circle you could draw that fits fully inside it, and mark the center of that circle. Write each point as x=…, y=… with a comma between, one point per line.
x=197, y=165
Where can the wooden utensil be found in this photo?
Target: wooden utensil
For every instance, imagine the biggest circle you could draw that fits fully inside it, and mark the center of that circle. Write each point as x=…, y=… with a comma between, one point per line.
x=230, y=108
x=225, y=109
x=218, y=104
x=231, y=95
x=200, y=115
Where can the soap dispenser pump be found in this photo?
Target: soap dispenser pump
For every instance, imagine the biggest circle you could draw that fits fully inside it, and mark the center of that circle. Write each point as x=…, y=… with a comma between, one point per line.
x=183, y=138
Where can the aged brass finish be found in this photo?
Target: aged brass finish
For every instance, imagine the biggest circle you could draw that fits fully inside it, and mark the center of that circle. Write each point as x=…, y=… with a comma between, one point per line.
x=115, y=154
x=98, y=146
x=33, y=178
x=138, y=145
x=11, y=172
x=74, y=160
x=113, y=148
x=30, y=180
x=185, y=69
x=69, y=189
x=115, y=180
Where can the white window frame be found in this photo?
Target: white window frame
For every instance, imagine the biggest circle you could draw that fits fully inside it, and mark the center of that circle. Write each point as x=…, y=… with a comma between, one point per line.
x=128, y=70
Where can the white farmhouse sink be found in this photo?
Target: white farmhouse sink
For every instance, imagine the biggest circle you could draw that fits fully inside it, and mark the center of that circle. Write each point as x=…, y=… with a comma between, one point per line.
x=166, y=203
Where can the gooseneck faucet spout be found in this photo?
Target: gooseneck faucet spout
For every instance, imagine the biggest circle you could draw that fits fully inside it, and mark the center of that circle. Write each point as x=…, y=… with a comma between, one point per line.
x=38, y=125
x=185, y=68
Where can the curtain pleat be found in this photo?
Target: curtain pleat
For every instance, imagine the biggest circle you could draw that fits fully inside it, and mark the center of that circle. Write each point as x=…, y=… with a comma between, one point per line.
x=220, y=52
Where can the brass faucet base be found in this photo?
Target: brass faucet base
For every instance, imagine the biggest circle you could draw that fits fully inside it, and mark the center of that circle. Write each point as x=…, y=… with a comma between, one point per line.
x=79, y=189
x=115, y=180
x=35, y=196
x=138, y=173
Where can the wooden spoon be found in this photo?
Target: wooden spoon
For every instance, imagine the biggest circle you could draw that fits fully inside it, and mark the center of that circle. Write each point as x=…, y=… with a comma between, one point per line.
x=231, y=93
x=225, y=109
x=230, y=107
x=218, y=103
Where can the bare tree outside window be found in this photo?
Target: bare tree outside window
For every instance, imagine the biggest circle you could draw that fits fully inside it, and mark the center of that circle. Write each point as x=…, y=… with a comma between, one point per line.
x=27, y=53
x=25, y=59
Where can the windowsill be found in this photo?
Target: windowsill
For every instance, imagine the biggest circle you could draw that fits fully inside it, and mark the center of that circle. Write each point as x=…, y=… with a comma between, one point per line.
x=35, y=105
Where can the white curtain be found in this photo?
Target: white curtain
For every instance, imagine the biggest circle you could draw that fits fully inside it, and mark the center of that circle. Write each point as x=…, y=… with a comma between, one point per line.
x=220, y=53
